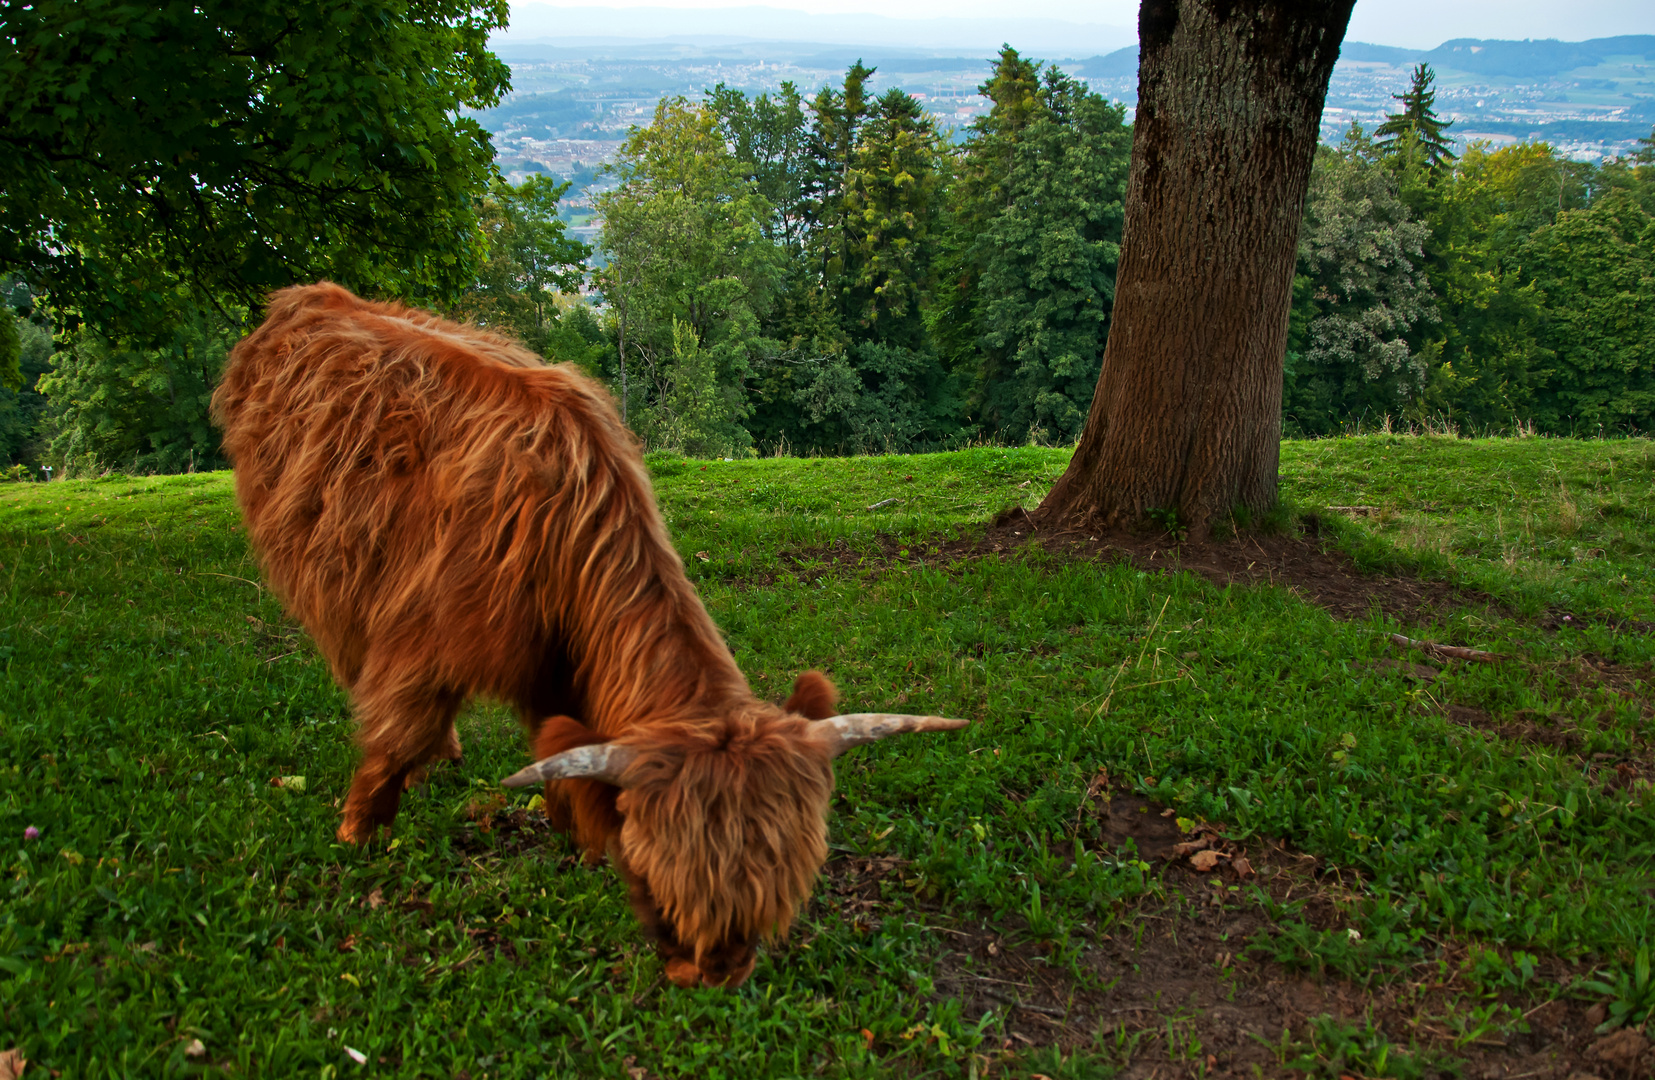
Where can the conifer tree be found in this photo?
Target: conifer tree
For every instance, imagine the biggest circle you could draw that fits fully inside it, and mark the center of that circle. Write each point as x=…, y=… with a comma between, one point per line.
x=838, y=117
x=1417, y=124
x=1029, y=266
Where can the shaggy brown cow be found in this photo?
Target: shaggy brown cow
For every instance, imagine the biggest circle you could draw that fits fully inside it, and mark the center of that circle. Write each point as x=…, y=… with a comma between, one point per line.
x=450, y=517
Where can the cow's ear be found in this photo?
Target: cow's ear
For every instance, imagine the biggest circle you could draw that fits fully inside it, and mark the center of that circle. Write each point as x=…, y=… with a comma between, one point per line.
x=560, y=733
x=813, y=697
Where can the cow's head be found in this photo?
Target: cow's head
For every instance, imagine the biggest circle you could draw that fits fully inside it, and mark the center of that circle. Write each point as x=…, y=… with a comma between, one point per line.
x=725, y=823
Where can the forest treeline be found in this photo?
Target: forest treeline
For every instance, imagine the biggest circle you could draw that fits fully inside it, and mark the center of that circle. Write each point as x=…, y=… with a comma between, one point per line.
x=838, y=275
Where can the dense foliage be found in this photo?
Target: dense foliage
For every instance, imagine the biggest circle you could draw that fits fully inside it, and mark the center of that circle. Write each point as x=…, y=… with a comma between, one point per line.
x=237, y=147
x=1509, y=289
x=815, y=274
x=836, y=275
x=530, y=263
x=881, y=287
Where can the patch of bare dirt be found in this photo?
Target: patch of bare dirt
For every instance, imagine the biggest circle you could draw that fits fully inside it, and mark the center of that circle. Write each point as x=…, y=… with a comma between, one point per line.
x=1172, y=986
x=1631, y=771
x=1302, y=563
x=1623, y=680
x=1552, y=730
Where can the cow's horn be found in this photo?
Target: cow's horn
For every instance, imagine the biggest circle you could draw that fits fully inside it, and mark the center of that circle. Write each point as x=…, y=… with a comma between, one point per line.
x=604, y=761
x=853, y=729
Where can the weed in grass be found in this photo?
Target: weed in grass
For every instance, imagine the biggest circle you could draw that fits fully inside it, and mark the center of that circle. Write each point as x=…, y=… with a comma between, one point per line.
x=1629, y=994
x=1339, y=1047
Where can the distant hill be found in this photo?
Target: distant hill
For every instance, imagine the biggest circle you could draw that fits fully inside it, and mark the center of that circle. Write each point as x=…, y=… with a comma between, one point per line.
x=1536, y=59
x=1360, y=52
x=1120, y=64
x=1588, y=99
x=1123, y=63
x=1509, y=59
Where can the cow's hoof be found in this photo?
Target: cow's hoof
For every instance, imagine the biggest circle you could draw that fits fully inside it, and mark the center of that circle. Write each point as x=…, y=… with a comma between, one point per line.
x=357, y=833
x=683, y=973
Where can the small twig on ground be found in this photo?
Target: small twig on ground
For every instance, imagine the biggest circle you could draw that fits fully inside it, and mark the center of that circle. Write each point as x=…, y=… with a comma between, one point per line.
x=232, y=577
x=938, y=929
x=1014, y=1003
x=1002, y=982
x=1451, y=652
x=644, y=994
x=884, y=502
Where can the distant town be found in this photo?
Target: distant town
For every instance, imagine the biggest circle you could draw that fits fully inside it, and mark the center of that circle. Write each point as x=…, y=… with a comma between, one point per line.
x=572, y=106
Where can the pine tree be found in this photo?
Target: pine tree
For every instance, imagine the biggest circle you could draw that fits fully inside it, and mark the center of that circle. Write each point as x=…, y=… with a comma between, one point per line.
x=837, y=123
x=1417, y=124
x=1027, y=271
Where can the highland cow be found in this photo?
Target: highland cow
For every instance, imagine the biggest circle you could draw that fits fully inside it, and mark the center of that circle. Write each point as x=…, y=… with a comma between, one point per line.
x=449, y=517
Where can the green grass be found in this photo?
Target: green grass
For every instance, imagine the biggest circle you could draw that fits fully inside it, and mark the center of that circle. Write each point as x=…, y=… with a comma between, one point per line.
x=1557, y=522
x=151, y=690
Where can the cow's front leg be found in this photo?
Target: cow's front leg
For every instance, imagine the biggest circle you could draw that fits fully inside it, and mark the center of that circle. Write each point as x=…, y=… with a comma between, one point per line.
x=400, y=732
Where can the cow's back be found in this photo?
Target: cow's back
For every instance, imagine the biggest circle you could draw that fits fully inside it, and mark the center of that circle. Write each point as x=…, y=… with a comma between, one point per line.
x=419, y=492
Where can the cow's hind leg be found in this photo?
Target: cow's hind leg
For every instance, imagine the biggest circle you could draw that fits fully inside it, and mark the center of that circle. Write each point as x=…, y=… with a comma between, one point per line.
x=401, y=731
x=450, y=751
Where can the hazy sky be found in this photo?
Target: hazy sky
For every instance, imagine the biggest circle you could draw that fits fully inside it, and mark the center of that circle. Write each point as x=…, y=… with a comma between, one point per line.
x=1410, y=23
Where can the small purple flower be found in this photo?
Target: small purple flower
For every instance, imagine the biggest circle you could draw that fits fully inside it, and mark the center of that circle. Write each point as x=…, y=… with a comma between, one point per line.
x=31, y=833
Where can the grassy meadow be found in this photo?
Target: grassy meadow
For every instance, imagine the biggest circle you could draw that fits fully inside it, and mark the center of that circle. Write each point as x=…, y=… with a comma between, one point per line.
x=173, y=912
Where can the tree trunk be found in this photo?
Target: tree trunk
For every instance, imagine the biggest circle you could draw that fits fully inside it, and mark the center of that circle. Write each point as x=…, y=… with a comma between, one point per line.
x=1187, y=412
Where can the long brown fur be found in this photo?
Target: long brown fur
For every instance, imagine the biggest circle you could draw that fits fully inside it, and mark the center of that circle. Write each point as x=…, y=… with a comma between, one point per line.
x=450, y=517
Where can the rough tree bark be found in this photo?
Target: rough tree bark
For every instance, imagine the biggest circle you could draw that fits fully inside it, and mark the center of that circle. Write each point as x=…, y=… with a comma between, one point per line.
x=1187, y=413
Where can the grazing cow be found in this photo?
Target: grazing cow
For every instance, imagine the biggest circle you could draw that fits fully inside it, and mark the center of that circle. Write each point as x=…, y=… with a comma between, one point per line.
x=450, y=517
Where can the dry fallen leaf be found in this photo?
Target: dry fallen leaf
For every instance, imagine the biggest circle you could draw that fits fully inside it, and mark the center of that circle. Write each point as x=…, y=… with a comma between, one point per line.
x=703, y=556
x=1622, y=1048
x=196, y=1049
x=12, y=1064
x=1189, y=847
x=1242, y=867
x=867, y=1038
x=1205, y=860
x=356, y=1055
x=375, y=899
